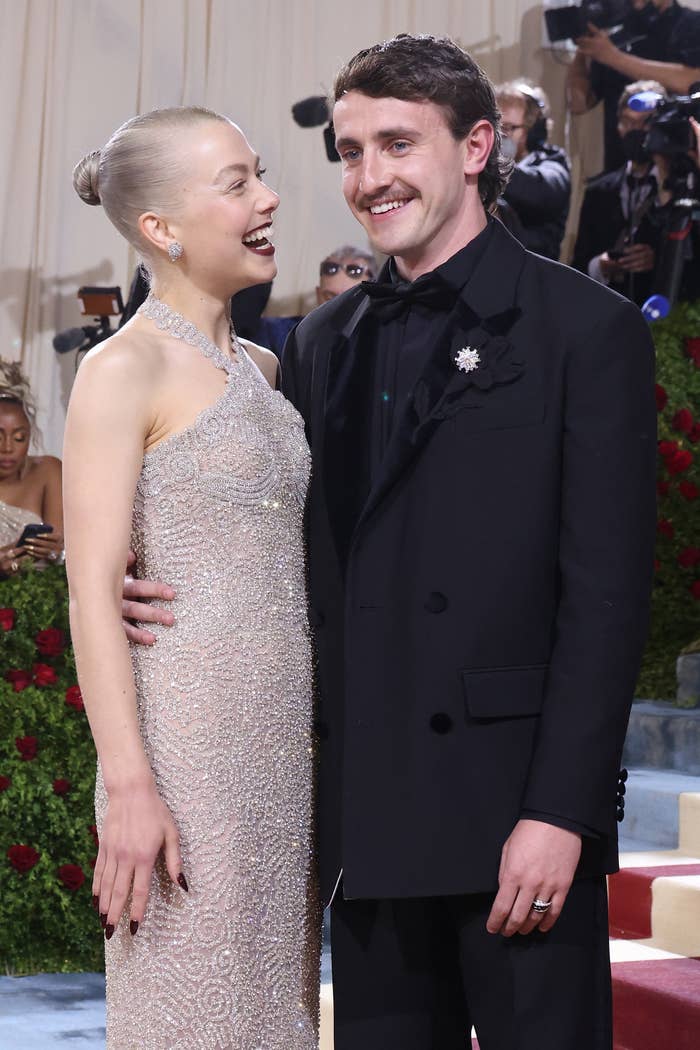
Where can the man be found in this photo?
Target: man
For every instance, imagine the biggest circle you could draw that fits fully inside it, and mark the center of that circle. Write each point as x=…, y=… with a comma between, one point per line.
x=539, y=189
x=659, y=40
x=481, y=526
x=342, y=270
x=617, y=238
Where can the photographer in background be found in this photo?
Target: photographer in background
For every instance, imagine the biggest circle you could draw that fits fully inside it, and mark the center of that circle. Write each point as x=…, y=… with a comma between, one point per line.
x=617, y=240
x=539, y=189
x=658, y=40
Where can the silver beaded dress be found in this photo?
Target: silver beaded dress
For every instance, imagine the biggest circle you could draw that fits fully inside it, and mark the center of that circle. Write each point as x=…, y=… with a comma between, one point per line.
x=224, y=700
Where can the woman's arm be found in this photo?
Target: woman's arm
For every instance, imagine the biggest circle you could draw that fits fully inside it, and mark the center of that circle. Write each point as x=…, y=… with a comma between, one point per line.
x=50, y=545
x=108, y=419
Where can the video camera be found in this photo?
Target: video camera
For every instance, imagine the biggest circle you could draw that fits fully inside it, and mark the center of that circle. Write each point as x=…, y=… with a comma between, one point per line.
x=670, y=132
x=571, y=22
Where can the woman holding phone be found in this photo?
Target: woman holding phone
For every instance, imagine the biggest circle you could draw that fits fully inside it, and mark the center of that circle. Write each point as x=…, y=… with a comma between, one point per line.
x=31, y=511
x=204, y=878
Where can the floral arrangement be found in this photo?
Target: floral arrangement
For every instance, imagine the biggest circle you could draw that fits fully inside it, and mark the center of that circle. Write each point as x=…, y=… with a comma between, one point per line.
x=48, y=839
x=675, y=623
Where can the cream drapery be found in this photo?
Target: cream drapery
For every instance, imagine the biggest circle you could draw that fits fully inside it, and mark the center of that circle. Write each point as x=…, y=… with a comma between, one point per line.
x=71, y=71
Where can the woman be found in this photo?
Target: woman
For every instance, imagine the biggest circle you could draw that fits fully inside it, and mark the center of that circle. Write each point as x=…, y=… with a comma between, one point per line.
x=203, y=740
x=30, y=486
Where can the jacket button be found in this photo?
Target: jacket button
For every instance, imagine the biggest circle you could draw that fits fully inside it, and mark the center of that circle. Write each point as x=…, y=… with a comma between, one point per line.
x=436, y=602
x=441, y=723
x=620, y=815
x=316, y=617
x=622, y=776
x=621, y=789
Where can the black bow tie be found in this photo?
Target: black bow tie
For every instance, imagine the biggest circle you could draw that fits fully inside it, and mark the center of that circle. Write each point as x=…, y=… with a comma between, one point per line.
x=389, y=301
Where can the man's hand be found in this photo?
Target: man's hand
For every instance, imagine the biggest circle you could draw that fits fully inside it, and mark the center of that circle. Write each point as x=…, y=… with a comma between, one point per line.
x=638, y=258
x=610, y=268
x=538, y=861
x=597, y=46
x=134, y=595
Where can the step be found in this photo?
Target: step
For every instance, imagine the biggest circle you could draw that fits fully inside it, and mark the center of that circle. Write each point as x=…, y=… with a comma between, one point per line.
x=656, y=999
x=689, y=823
x=660, y=736
x=652, y=805
x=655, y=897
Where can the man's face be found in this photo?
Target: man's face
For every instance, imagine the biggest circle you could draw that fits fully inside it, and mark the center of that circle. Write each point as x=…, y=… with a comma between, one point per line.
x=514, y=128
x=631, y=120
x=408, y=181
x=660, y=5
x=330, y=285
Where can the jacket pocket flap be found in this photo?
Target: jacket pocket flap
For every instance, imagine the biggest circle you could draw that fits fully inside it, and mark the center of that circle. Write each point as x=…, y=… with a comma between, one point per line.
x=504, y=692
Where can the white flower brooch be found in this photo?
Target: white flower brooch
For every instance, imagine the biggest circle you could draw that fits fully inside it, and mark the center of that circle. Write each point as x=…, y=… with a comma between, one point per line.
x=467, y=359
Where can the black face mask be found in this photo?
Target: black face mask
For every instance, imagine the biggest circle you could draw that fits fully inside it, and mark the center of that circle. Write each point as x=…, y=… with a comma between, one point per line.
x=633, y=146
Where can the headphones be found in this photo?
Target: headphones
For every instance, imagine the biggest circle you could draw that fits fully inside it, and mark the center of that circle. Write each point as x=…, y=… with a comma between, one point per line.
x=537, y=134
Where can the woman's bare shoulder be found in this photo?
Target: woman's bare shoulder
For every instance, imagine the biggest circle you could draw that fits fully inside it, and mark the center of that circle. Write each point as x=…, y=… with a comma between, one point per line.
x=265, y=360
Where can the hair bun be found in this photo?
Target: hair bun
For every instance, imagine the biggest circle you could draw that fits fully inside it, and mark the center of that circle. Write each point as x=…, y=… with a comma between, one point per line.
x=86, y=177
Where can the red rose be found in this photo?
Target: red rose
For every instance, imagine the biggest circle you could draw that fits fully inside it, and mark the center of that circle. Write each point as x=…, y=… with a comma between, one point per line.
x=27, y=747
x=692, y=349
x=662, y=487
x=22, y=858
x=61, y=786
x=683, y=421
x=661, y=398
x=666, y=528
x=95, y=838
x=667, y=448
x=688, y=490
x=657, y=565
x=695, y=589
x=689, y=557
x=679, y=461
x=4, y=783
x=71, y=875
x=19, y=679
x=7, y=619
x=694, y=434
x=51, y=642
x=93, y=862
x=74, y=698
x=44, y=675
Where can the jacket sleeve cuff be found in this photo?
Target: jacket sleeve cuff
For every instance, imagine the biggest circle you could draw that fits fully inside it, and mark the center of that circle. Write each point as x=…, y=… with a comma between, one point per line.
x=560, y=822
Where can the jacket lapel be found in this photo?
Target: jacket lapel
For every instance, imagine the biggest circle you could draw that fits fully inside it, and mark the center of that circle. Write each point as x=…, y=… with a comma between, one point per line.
x=485, y=307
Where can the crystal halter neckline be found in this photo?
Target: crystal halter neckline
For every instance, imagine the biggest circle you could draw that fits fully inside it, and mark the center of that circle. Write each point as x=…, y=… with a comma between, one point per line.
x=170, y=321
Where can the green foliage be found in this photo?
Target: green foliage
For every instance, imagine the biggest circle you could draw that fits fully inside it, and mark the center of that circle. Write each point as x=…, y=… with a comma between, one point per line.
x=675, y=621
x=44, y=925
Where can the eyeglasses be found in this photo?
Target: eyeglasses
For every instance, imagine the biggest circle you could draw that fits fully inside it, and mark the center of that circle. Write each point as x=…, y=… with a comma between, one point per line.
x=508, y=129
x=329, y=268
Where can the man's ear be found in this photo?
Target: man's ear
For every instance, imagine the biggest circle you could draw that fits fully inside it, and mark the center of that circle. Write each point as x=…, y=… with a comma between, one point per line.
x=477, y=147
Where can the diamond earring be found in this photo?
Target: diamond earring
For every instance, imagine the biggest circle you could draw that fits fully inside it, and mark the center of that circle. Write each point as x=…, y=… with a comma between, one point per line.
x=175, y=251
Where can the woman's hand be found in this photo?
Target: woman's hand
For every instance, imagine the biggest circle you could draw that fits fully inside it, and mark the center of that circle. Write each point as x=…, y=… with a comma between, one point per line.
x=136, y=827
x=47, y=547
x=11, y=559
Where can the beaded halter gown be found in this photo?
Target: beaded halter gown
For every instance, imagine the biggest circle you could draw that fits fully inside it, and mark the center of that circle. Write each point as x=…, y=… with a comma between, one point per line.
x=224, y=700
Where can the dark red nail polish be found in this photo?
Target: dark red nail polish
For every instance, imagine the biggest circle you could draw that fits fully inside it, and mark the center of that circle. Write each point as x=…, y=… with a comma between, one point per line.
x=182, y=881
x=103, y=919
x=109, y=930
x=133, y=926
x=95, y=902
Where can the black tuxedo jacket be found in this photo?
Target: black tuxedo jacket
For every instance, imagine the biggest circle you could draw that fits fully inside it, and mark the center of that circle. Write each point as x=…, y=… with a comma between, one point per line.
x=479, y=628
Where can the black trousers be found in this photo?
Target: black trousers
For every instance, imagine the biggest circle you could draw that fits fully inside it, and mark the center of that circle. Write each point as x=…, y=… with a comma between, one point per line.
x=416, y=974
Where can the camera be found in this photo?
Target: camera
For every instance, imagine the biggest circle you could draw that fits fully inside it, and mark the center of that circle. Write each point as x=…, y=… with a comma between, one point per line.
x=571, y=22
x=670, y=132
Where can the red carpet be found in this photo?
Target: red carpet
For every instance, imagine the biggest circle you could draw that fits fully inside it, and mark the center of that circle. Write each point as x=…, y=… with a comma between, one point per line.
x=629, y=894
x=657, y=1005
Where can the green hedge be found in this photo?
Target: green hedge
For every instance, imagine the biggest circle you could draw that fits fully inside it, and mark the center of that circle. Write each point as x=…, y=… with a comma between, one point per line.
x=47, y=779
x=675, y=623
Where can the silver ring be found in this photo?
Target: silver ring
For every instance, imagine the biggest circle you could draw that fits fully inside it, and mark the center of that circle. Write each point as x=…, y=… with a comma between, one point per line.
x=14, y=566
x=541, y=906
x=53, y=555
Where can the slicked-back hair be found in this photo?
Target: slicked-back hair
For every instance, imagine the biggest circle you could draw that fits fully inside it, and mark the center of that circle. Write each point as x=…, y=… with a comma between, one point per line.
x=433, y=69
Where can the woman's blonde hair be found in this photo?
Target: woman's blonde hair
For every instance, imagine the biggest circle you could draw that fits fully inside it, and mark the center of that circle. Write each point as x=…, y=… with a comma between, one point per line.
x=141, y=168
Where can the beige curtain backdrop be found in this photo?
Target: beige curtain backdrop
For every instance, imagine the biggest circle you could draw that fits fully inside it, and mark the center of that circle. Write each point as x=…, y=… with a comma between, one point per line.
x=71, y=71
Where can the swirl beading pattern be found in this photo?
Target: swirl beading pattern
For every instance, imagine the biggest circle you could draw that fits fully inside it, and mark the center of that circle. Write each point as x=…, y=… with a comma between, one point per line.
x=225, y=709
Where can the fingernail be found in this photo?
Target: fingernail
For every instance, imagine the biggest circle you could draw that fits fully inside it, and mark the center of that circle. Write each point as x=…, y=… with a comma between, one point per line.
x=109, y=930
x=103, y=919
x=133, y=926
x=182, y=881
x=95, y=901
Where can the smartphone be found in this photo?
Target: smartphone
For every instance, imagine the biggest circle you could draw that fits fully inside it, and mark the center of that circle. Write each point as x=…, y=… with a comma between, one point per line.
x=31, y=531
